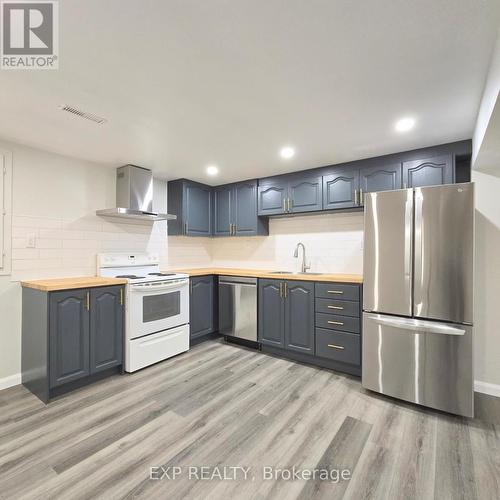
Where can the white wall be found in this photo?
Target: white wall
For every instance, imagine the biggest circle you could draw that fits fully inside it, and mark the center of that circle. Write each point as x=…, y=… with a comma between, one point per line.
x=487, y=279
x=333, y=244
x=54, y=200
x=489, y=99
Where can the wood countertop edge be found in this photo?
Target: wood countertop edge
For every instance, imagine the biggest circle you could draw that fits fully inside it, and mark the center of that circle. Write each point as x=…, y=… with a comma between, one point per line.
x=257, y=273
x=51, y=285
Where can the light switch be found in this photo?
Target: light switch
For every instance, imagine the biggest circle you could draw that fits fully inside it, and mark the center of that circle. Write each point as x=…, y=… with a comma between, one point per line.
x=31, y=243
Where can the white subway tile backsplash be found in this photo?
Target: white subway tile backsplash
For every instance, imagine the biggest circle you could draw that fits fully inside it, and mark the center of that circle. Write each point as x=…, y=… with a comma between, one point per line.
x=48, y=243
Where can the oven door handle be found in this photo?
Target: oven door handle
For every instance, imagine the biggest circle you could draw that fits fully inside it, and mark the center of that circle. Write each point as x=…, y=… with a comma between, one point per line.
x=157, y=288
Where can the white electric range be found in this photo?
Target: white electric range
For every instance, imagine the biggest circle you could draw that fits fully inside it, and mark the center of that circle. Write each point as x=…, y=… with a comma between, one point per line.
x=156, y=309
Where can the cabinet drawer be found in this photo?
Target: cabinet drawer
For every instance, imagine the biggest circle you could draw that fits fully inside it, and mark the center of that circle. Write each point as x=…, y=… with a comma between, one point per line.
x=338, y=291
x=337, y=322
x=339, y=346
x=340, y=307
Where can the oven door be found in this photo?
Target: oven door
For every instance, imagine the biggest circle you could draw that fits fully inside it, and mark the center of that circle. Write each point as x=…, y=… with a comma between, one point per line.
x=157, y=306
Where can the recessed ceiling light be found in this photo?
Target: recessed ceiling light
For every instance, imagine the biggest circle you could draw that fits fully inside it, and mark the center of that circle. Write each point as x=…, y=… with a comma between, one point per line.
x=405, y=124
x=212, y=170
x=287, y=152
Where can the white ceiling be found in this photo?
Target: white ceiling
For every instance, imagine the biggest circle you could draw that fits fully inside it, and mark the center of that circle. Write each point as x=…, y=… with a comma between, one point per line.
x=187, y=83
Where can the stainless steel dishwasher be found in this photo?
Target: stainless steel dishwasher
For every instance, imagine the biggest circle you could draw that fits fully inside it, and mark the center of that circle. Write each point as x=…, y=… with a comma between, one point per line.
x=238, y=307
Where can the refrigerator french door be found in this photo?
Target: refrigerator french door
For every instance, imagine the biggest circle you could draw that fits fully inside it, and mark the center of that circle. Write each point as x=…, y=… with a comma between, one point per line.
x=417, y=296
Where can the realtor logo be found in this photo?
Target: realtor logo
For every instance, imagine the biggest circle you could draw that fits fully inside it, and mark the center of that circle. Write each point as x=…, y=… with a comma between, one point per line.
x=29, y=35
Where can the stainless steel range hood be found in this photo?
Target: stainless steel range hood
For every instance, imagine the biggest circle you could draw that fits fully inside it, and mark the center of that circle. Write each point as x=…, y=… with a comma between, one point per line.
x=134, y=196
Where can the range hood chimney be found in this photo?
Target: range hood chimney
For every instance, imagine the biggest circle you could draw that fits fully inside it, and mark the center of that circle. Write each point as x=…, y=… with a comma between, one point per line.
x=134, y=195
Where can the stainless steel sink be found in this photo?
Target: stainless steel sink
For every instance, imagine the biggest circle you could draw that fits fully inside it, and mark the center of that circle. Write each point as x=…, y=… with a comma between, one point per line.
x=312, y=274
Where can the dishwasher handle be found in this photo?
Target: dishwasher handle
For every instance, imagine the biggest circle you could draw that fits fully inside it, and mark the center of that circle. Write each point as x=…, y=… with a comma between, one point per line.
x=237, y=280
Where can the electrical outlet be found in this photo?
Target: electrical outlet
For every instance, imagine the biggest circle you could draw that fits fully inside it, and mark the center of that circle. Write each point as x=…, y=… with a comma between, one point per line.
x=31, y=243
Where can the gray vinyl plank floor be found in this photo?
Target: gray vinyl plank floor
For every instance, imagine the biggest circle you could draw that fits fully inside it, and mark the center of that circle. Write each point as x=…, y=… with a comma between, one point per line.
x=222, y=421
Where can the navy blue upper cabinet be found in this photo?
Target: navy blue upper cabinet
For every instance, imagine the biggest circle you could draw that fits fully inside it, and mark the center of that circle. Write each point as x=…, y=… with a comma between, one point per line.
x=341, y=189
x=292, y=193
x=245, y=219
x=235, y=211
x=273, y=195
x=222, y=210
x=192, y=203
x=429, y=171
x=305, y=193
x=380, y=178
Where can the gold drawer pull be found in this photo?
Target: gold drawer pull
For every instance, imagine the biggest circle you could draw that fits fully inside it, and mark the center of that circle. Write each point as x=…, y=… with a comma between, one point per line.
x=333, y=346
x=340, y=308
x=335, y=291
x=335, y=322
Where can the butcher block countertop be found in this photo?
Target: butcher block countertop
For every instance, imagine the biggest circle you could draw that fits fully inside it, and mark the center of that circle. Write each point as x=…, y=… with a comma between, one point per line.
x=72, y=283
x=257, y=273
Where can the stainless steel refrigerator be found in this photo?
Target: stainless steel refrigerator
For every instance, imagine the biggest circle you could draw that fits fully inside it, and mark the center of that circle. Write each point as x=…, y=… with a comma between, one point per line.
x=418, y=296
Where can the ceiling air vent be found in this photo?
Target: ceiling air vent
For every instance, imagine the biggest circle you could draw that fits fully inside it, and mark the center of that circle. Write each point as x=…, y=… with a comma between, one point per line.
x=82, y=114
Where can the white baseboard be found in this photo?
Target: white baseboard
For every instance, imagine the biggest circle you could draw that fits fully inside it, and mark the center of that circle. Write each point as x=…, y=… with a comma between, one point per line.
x=10, y=381
x=487, y=388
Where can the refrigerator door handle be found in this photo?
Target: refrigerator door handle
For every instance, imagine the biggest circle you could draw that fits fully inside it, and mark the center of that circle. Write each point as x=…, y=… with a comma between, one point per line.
x=417, y=325
x=408, y=237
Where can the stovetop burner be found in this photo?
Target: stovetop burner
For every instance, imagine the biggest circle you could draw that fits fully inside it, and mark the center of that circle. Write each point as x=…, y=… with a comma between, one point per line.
x=161, y=274
x=131, y=276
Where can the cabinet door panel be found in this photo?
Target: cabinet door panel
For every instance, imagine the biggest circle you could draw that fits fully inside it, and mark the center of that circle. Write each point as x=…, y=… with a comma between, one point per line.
x=306, y=193
x=299, y=316
x=340, y=189
x=428, y=172
x=272, y=195
x=245, y=208
x=197, y=210
x=271, y=313
x=106, y=328
x=68, y=336
x=380, y=178
x=222, y=210
x=201, y=305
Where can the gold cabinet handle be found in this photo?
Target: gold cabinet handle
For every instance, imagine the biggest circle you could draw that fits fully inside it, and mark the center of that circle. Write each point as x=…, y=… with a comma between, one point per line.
x=121, y=296
x=335, y=322
x=355, y=196
x=361, y=200
x=285, y=288
x=87, y=305
x=289, y=204
x=334, y=346
x=281, y=289
x=340, y=308
x=234, y=229
x=284, y=204
x=335, y=291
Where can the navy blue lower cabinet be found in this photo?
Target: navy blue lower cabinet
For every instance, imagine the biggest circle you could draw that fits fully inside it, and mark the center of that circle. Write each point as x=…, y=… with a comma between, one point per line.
x=299, y=316
x=271, y=307
x=70, y=338
x=106, y=327
x=202, y=300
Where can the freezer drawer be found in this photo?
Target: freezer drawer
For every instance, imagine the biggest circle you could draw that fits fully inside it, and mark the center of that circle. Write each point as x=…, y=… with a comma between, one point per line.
x=425, y=362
